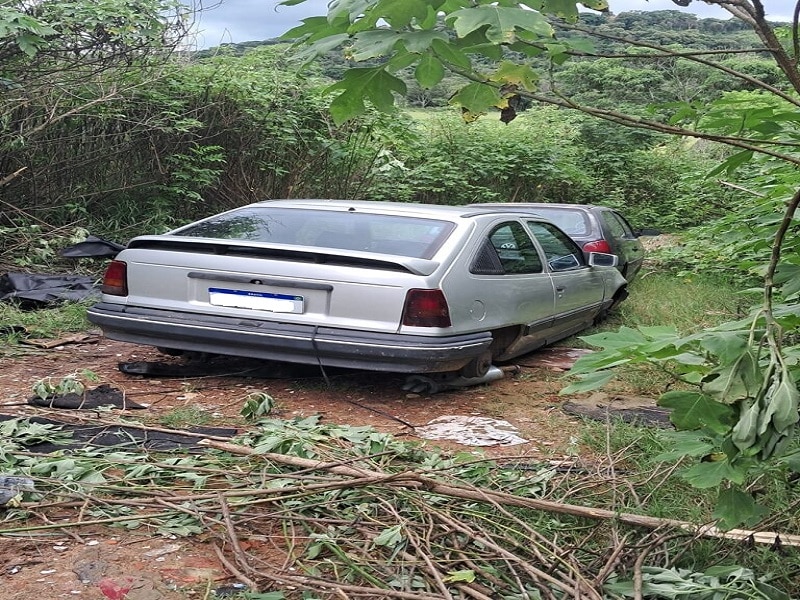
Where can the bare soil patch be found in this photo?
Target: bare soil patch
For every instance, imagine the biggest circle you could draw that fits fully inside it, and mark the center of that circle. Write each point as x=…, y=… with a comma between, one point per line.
x=108, y=563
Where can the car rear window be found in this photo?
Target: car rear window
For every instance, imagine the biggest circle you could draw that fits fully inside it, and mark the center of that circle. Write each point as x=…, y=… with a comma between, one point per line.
x=413, y=237
x=571, y=222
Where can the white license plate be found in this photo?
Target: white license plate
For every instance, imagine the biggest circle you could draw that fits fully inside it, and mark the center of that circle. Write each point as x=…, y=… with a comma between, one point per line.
x=256, y=300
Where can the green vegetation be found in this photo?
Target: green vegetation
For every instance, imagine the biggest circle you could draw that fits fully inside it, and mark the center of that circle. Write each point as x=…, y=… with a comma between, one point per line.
x=362, y=509
x=185, y=417
x=112, y=130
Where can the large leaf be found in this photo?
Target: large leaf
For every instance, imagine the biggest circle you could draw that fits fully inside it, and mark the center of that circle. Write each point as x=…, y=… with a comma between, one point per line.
x=502, y=22
x=685, y=443
x=589, y=382
x=736, y=381
x=476, y=97
x=735, y=508
x=358, y=83
x=422, y=41
x=788, y=277
x=375, y=43
x=519, y=75
x=450, y=54
x=397, y=14
x=725, y=345
x=429, y=71
x=623, y=338
x=693, y=410
x=710, y=474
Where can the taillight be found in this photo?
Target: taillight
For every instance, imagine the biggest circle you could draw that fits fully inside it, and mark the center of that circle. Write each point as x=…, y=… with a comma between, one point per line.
x=426, y=308
x=115, y=280
x=597, y=246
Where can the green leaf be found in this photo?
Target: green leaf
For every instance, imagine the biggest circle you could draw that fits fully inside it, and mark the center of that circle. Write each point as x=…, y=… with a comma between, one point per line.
x=372, y=44
x=566, y=9
x=623, y=338
x=735, y=508
x=450, y=54
x=736, y=381
x=476, y=97
x=693, y=410
x=421, y=41
x=519, y=75
x=465, y=575
x=372, y=83
x=781, y=403
x=745, y=432
x=787, y=276
x=400, y=14
x=587, y=383
x=391, y=536
x=502, y=22
x=733, y=163
x=727, y=346
x=429, y=71
x=684, y=443
x=706, y=475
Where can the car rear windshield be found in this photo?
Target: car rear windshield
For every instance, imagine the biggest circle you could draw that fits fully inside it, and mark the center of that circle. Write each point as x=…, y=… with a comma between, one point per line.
x=413, y=237
x=571, y=222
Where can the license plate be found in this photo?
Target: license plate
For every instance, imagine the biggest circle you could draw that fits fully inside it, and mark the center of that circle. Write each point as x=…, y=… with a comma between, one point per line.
x=283, y=303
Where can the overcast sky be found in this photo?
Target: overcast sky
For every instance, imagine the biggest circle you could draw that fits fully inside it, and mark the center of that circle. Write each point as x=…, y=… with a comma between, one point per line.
x=249, y=20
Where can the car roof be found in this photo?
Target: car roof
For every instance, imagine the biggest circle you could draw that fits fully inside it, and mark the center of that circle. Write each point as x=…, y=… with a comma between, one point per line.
x=445, y=211
x=537, y=205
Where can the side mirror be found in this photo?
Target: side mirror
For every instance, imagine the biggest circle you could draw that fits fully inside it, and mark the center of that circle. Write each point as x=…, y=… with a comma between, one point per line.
x=601, y=259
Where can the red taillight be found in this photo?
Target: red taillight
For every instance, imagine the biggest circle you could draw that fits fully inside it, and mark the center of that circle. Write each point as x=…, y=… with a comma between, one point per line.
x=597, y=246
x=115, y=280
x=426, y=308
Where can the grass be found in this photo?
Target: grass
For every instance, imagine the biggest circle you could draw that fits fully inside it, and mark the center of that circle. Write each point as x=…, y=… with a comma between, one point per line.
x=48, y=323
x=689, y=304
x=185, y=417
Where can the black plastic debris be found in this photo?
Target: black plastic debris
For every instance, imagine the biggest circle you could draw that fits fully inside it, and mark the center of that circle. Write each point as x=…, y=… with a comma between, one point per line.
x=102, y=395
x=92, y=247
x=32, y=290
x=221, y=366
x=124, y=437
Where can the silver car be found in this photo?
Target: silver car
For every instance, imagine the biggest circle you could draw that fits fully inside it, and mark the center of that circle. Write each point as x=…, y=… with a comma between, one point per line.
x=382, y=286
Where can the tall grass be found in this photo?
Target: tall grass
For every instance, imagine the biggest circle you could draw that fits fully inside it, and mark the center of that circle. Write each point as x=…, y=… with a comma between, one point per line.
x=687, y=303
x=17, y=323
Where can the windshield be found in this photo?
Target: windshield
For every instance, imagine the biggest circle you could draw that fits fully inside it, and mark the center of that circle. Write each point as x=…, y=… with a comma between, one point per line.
x=413, y=237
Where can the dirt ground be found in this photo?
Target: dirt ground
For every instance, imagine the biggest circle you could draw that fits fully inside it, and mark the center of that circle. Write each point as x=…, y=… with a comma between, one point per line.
x=110, y=564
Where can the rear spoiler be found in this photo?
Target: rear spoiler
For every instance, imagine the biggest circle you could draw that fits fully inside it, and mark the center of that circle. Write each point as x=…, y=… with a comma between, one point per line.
x=332, y=256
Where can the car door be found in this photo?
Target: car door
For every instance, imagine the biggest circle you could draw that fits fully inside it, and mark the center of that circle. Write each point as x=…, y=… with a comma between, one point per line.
x=510, y=284
x=579, y=289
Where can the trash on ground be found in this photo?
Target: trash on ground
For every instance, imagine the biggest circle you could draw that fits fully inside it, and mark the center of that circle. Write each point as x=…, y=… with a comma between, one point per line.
x=33, y=291
x=129, y=437
x=101, y=396
x=12, y=486
x=471, y=431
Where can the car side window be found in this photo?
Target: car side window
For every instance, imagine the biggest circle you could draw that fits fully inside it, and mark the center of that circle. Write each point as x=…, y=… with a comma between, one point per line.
x=561, y=252
x=508, y=250
x=617, y=225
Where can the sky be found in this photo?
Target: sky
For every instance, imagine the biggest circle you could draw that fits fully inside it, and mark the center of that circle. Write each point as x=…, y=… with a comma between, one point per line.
x=232, y=21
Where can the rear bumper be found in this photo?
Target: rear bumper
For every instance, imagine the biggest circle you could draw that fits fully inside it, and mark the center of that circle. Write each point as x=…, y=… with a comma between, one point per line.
x=288, y=342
